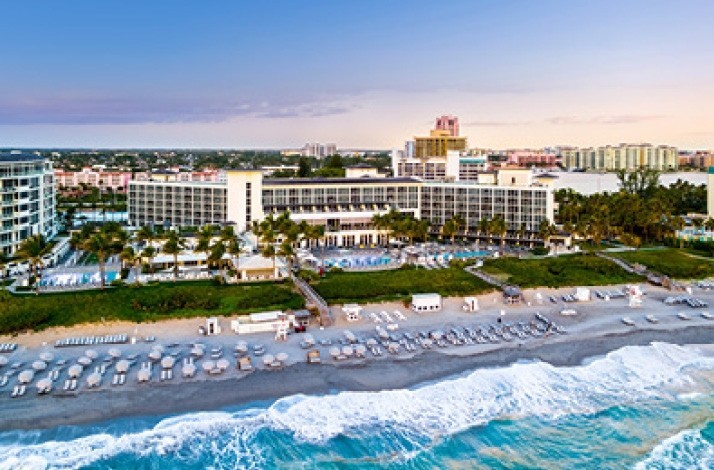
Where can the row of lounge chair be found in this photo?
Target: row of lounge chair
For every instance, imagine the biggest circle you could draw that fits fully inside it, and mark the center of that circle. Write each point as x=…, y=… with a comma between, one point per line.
x=18, y=391
x=92, y=340
x=683, y=299
x=7, y=347
x=70, y=385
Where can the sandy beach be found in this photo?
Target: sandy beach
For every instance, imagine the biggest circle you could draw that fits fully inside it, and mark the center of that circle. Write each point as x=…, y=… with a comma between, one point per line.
x=595, y=330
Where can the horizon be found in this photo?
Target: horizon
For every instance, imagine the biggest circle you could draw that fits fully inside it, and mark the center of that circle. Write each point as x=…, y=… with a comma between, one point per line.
x=228, y=76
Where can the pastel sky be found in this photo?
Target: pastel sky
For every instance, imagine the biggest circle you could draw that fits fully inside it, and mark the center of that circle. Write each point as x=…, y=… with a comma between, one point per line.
x=367, y=73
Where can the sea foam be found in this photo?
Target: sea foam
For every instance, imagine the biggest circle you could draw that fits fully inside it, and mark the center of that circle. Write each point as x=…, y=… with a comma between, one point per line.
x=685, y=450
x=628, y=375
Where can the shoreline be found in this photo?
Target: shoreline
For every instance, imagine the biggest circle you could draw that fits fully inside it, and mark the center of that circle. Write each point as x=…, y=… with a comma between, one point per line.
x=160, y=399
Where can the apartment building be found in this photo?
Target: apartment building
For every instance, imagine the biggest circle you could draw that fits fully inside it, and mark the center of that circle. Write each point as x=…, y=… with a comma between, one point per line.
x=116, y=181
x=621, y=157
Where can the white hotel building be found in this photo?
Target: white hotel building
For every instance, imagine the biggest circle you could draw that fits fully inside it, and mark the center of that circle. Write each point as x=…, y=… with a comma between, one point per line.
x=27, y=200
x=345, y=206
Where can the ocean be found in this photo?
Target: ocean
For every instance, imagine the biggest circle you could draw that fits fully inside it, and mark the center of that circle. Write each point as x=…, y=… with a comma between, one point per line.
x=640, y=407
x=590, y=183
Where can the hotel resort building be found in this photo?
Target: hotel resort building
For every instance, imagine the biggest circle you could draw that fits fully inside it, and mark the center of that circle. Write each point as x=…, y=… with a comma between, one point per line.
x=27, y=195
x=621, y=157
x=344, y=206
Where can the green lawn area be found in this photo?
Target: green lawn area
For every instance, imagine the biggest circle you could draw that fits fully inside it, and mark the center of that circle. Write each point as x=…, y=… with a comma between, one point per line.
x=345, y=287
x=142, y=304
x=561, y=271
x=671, y=262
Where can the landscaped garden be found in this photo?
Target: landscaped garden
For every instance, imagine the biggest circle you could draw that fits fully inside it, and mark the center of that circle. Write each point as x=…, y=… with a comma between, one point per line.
x=671, y=262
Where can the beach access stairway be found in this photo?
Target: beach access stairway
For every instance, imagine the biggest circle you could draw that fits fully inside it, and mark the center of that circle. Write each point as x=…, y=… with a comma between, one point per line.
x=624, y=265
x=485, y=277
x=313, y=298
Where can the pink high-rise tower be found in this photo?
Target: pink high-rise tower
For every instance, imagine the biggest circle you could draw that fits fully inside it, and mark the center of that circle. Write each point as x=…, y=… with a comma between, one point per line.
x=448, y=123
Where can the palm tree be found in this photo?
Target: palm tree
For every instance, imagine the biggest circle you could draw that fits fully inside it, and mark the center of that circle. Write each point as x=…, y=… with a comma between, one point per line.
x=216, y=253
x=484, y=228
x=287, y=251
x=3, y=264
x=145, y=234
x=499, y=227
x=127, y=256
x=103, y=244
x=448, y=230
x=204, y=242
x=173, y=246
x=33, y=249
x=149, y=252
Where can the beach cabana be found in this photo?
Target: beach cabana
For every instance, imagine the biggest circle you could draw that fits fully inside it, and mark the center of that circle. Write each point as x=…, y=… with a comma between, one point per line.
x=157, y=347
x=168, y=362
x=426, y=302
x=75, y=371
x=353, y=312
x=26, y=376
x=512, y=295
x=39, y=365
x=122, y=366
x=44, y=385
x=335, y=352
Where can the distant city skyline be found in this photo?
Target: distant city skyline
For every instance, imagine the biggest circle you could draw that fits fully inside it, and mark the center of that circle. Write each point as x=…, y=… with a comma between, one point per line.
x=518, y=74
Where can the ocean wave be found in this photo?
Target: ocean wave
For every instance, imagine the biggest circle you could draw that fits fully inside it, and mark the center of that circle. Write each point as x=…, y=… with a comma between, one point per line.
x=418, y=416
x=686, y=450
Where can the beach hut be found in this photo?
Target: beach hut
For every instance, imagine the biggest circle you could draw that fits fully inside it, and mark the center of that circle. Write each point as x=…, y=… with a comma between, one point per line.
x=212, y=326
x=189, y=369
x=26, y=376
x=349, y=336
x=582, y=294
x=512, y=295
x=353, y=312
x=94, y=379
x=47, y=356
x=122, y=366
x=471, y=304
x=168, y=362
x=44, y=385
x=426, y=302
x=39, y=365
x=75, y=371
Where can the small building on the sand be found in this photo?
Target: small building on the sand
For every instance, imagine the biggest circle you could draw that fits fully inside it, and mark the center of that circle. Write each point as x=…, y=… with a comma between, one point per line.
x=264, y=322
x=426, y=302
x=512, y=295
x=353, y=312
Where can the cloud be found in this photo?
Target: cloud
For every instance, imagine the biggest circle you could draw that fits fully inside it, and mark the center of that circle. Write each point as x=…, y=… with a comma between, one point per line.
x=614, y=119
x=493, y=123
x=89, y=110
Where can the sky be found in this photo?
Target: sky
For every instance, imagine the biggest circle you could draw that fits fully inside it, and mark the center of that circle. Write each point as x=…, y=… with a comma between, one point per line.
x=361, y=74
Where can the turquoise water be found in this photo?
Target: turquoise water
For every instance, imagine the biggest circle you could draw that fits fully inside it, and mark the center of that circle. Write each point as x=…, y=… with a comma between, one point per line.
x=649, y=407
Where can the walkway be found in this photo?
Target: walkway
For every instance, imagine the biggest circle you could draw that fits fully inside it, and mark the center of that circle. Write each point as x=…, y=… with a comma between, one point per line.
x=313, y=298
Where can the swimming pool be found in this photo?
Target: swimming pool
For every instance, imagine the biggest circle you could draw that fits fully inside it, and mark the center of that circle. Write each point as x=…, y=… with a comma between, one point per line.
x=356, y=261
x=77, y=279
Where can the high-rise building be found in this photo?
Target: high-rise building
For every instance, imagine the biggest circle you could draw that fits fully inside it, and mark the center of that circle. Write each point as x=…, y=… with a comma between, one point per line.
x=27, y=193
x=448, y=123
x=438, y=144
x=318, y=150
x=621, y=157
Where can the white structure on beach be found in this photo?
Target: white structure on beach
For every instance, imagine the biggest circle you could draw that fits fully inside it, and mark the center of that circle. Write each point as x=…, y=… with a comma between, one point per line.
x=426, y=302
x=353, y=312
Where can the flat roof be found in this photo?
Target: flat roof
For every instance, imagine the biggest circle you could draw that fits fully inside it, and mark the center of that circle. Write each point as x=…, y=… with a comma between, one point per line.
x=299, y=181
x=19, y=157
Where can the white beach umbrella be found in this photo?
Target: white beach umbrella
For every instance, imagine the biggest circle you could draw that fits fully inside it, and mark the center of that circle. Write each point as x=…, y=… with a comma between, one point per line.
x=168, y=362
x=334, y=351
x=75, y=371
x=268, y=359
x=84, y=360
x=360, y=349
x=143, y=375
x=347, y=350
x=188, y=370
x=91, y=353
x=223, y=364
x=114, y=352
x=282, y=357
x=39, y=365
x=3, y=361
x=196, y=351
x=155, y=355
x=26, y=376
x=44, y=385
x=208, y=365
x=47, y=356
x=122, y=366
x=157, y=347
x=94, y=379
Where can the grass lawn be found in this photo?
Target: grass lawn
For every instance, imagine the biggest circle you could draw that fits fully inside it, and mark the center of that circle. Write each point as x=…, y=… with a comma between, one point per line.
x=561, y=271
x=671, y=262
x=344, y=287
x=142, y=304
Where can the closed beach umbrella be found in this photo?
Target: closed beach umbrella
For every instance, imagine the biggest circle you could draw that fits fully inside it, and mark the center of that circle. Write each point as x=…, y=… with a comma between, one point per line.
x=282, y=357
x=47, y=356
x=39, y=365
x=94, y=379
x=155, y=355
x=223, y=364
x=44, y=385
x=334, y=351
x=122, y=366
x=84, y=360
x=114, y=352
x=143, y=375
x=3, y=361
x=91, y=353
x=188, y=370
x=26, y=376
x=347, y=350
x=75, y=371
x=167, y=362
x=268, y=359
x=196, y=351
x=208, y=365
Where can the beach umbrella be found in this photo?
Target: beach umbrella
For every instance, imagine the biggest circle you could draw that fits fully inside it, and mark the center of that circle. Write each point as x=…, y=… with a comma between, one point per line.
x=223, y=364
x=44, y=385
x=94, y=379
x=268, y=359
x=208, y=365
x=347, y=350
x=360, y=349
x=157, y=347
x=242, y=346
x=282, y=357
x=3, y=361
x=39, y=365
x=84, y=360
x=155, y=355
x=91, y=353
x=114, y=352
x=47, y=356
x=167, y=362
x=427, y=341
x=188, y=370
x=75, y=371
x=143, y=375
x=122, y=366
x=334, y=351
x=196, y=351
x=371, y=342
x=26, y=376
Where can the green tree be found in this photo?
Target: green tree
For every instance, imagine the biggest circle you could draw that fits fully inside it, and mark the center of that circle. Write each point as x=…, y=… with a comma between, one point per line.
x=104, y=243
x=304, y=169
x=32, y=250
x=173, y=246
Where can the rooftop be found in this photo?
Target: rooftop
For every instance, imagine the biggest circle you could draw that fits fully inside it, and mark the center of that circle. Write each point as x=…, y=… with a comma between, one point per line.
x=19, y=157
x=298, y=181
